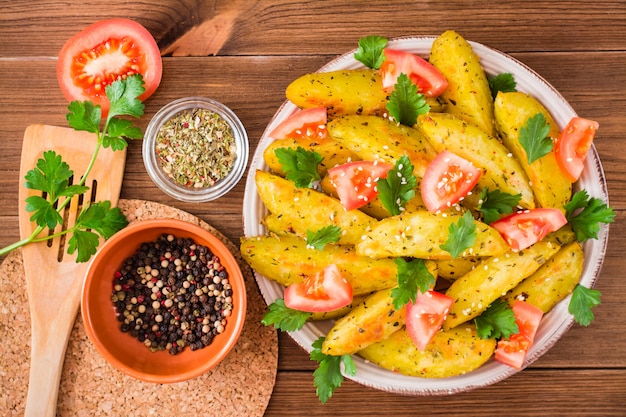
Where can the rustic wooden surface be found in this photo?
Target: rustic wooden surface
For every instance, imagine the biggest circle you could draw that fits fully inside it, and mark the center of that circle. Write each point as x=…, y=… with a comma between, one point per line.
x=244, y=53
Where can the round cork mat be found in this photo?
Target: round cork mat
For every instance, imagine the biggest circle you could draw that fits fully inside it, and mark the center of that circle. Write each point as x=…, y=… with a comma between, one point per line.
x=239, y=386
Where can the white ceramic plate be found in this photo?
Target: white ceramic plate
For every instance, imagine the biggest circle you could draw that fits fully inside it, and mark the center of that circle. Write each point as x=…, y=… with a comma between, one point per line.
x=553, y=325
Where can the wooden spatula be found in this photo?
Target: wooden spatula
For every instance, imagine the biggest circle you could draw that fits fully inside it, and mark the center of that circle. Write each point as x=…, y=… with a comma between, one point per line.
x=53, y=278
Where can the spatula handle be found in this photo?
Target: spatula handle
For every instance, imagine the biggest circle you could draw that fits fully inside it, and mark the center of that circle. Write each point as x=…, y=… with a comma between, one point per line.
x=49, y=343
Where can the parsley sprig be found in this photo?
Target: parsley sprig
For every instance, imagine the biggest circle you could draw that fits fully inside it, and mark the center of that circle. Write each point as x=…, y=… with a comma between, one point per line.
x=533, y=137
x=320, y=238
x=412, y=276
x=462, y=235
x=284, y=318
x=582, y=301
x=370, y=51
x=300, y=165
x=405, y=103
x=398, y=187
x=495, y=203
x=328, y=377
x=498, y=321
x=586, y=213
x=52, y=175
x=502, y=82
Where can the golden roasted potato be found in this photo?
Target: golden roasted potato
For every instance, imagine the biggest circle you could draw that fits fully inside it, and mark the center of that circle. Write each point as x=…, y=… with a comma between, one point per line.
x=493, y=278
x=369, y=322
x=553, y=281
x=451, y=352
x=500, y=169
x=375, y=138
x=453, y=269
x=336, y=314
x=306, y=209
x=332, y=152
x=468, y=94
x=287, y=260
x=512, y=111
x=420, y=234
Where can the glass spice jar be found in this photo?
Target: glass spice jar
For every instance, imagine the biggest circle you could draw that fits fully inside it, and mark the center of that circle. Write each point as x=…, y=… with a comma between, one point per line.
x=195, y=149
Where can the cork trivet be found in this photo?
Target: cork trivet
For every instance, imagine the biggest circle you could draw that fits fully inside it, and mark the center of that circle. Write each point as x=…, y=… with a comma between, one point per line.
x=239, y=386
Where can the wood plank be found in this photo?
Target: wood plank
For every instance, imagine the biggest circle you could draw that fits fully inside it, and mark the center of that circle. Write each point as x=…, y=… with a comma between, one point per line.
x=524, y=394
x=275, y=27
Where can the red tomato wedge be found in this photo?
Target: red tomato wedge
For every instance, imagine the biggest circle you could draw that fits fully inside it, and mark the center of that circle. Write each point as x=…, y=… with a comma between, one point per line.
x=520, y=230
x=572, y=145
x=513, y=351
x=355, y=182
x=327, y=290
x=448, y=179
x=428, y=79
x=303, y=124
x=425, y=317
x=103, y=53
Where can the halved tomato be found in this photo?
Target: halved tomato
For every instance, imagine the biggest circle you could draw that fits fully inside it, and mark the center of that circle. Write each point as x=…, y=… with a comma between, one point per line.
x=104, y=52
x=572, y=145
x=513, y=351
x=355, y=182
x=303, y=124
x=327, y=290
x=448, y=178
x=428, y=79
x=425, y=317
x=522, y=229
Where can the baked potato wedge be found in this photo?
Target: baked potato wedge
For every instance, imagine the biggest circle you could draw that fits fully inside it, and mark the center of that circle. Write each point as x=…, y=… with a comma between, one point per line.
x=468, y=94
x=287, y=260
x=500, y=169
x=493, y=278
x=306, y=209
x=420, y=234
x=553, y=281
x=512, y=111
x=451, y=352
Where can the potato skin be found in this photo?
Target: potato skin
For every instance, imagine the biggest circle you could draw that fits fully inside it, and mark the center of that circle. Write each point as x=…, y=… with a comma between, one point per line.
x=287, y=260
x=511, y=112
x=468, y=94
x=306, y=209
x=500, y=170
x=419, y=234
x=553, y=281
x=451, y=352
x=492, y=279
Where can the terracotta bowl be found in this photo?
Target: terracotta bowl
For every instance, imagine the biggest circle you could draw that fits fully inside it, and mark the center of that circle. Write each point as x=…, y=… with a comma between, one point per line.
x=125, y=352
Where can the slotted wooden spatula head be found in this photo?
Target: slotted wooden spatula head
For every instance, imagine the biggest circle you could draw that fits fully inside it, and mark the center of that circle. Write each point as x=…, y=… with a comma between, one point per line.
x=53, y=278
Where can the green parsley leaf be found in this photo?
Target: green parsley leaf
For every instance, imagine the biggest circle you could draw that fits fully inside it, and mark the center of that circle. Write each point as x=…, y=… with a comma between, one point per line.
x=325, y=235
x=585, y=213
x=412, y=276
x=117, y=130
x=328, y=377
x=582, y=301
x=50, y=175
x=44, y=213
x=370, y=51
x=405, y=103
x=123, y=96
x=399, y=186
x=300, y=165
x=534, y=138
x=85, y=242
x=502, y=82
x=496, y=203
x=84, y=115
x=284, y=318
x=462, y=235
x=498, y=321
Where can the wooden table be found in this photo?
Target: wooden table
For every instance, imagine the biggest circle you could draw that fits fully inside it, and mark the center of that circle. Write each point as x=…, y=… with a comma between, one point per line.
x=244, y=53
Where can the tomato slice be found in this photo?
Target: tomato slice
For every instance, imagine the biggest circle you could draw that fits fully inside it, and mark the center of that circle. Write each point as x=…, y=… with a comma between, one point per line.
x=448, y=178
x=355, y=182
x=104, y=52
x=428, y=79
x=425, y=317
x=513, y=351
x=327, y=290
x=572, y=145
x=520, y=230
x=303, y=124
